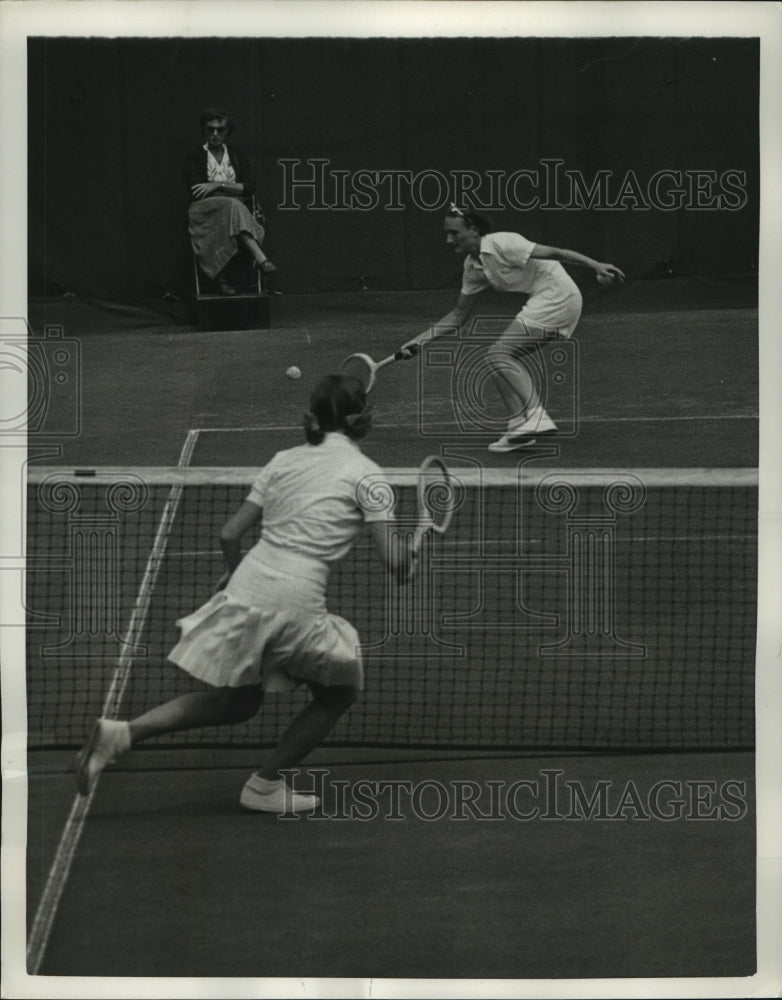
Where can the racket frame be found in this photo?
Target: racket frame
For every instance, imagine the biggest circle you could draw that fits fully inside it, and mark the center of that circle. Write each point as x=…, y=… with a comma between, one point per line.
x=421, y=483
x=375, y=366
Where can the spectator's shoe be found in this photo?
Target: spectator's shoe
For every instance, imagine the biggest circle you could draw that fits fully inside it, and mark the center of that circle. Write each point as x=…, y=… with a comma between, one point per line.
x=260, y=795
x=267, y=267
x=108, y=740
x=225, y=287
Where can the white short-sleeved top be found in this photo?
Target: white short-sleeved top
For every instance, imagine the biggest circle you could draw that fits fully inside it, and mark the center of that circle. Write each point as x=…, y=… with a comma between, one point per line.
x=504, y=263
x=315, y=498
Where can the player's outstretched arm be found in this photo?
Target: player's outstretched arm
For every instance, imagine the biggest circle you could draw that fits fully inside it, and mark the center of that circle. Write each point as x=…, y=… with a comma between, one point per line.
x=452, y=320
x=399, y=550
x=605, y=273
x=396, y=550
x=232, y=531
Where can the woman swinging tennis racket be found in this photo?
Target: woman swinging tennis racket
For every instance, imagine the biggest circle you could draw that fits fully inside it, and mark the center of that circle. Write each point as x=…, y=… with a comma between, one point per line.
x=508, y=262
x=268, y=629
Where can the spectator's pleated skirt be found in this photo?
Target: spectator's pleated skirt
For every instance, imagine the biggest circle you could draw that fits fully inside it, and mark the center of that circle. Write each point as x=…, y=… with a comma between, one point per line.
x=214, y=224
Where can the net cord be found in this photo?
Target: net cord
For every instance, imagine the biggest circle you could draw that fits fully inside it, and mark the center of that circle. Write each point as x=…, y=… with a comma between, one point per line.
x=468, y=477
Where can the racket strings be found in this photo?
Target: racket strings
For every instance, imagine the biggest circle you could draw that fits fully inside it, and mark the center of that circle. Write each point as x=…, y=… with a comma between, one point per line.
x=438, y=496
x=437, y=493
x=358, y=368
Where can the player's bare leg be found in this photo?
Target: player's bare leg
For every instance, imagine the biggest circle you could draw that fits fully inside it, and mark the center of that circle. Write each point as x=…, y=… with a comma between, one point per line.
x=214, y=707
x=111, y=738
x=309, y=728
x=511, y=357
x=511, y=375
x=266, y=790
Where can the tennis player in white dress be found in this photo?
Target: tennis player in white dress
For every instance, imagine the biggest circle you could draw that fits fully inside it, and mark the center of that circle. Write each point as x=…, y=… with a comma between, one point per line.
x=268, y=628
x=508, y=262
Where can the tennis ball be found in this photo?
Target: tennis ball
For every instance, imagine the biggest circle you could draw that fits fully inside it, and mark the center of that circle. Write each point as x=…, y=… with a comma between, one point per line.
x=605, y=279
x=293, y=373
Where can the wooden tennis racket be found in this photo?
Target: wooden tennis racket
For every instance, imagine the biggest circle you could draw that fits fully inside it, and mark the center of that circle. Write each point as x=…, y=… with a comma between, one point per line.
x=365, y=368
x=435, y=497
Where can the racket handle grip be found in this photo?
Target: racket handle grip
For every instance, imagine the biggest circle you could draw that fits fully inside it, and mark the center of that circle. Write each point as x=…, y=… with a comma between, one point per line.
x=407, y=353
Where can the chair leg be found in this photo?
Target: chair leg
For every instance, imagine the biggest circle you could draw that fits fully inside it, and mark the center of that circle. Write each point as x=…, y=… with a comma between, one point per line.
x=197, y=279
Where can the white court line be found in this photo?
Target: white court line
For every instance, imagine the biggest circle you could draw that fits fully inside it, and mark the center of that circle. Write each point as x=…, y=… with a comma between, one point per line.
x=74, y=826
x=456, y=423
x=667, y=420
x=453, y=543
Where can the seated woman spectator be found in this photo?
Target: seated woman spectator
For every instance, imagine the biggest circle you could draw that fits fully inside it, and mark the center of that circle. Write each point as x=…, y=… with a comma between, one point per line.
x=219, y=180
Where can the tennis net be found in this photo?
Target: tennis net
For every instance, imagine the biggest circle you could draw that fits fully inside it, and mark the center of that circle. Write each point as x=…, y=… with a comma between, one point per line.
x=578, y=609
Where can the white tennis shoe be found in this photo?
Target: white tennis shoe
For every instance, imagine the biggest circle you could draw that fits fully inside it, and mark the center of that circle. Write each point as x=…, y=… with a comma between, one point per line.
x=511, y=443
x=523, y=434
x=108, y=740
x=261, y=795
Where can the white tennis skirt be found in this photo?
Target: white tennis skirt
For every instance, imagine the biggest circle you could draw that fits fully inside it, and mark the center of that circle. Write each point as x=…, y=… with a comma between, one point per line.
x=270, y=626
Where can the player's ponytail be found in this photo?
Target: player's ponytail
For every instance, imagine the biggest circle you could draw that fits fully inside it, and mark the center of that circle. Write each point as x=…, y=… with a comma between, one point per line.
x=358, y=425
x=337, y=403
x=312, y=431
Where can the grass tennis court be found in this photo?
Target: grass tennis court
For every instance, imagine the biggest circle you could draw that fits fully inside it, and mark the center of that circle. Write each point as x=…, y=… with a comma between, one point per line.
x=414, y=898
x=666, y=381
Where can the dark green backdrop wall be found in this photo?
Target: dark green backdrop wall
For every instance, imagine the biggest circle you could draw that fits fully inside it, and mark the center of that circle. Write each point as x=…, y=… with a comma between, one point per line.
x=110, y=121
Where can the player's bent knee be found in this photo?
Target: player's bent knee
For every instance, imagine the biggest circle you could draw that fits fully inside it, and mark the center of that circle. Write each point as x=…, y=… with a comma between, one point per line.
x=242, y=703
x=340, y=697
x=350, y=697
x=501, y=356
x=500, y=350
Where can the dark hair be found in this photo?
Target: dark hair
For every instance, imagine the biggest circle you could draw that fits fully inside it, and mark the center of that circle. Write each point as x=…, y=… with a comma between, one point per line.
x=474, y=219
x=210, y=114
x=337, y=403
